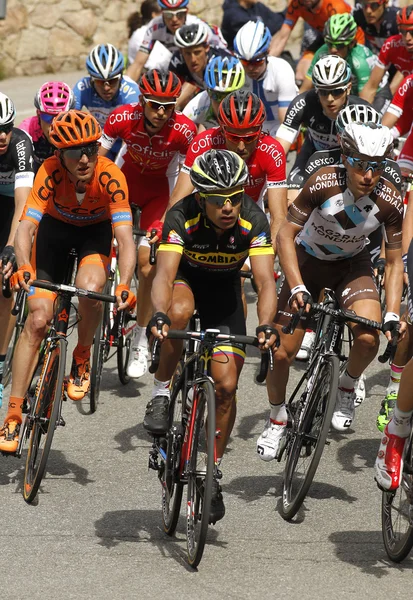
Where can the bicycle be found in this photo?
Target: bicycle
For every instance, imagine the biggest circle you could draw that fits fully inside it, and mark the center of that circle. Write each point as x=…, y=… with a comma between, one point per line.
x=45, y=407
x=187, y=454
x=311, y=405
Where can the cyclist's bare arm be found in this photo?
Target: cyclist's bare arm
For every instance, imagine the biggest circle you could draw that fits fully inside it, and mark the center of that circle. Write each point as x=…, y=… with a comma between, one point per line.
x=135, y=69
x=279, y=40
x=281, y=113
x=262, y=267
x=188, y=92
x=286, y=145
x=182, y=188
x=394, y=279
x=306, y=85
x=396, y=81
x=167, y=264
x=277, y=206
x=369, y=90
x=127, y=253
x=20, y=197
x=23, y=242
x=287, y=253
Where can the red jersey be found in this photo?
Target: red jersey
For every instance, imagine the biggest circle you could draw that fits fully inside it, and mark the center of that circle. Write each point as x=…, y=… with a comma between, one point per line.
x=266, y=165
x=394, y=52
x=158, y=154
x=403, y=98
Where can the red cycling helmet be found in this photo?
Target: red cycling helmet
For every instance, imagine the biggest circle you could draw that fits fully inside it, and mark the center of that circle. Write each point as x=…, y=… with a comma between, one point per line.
x=241, y=109
x=405, y=17
x=163, y=84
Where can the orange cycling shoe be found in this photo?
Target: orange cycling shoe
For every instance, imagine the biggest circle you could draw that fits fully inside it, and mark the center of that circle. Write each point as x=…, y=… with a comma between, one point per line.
x=9, y=436
x=79, y=379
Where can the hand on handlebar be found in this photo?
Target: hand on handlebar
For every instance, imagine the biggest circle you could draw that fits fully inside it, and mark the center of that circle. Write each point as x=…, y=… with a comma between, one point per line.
x=158, y=326
x=392, y=326
x=268, y=337
x=125, y=303
x=19, y=279
x=297, y=299
x=156, y=227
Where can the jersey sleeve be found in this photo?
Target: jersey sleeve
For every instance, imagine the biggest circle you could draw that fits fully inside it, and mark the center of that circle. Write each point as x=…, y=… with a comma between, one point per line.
x=260, y=237
x=36, y=203
x=383, y=60
x=287, y=89
x=292, y=14
x=173, y=232
x=22, y=152
x=78, y=93
x=275, y=162
x=117, y=190
x=307, y=200
x=290, y=128
x=404, y=91
x=363, y=61
x=148, y=41
x=112, y=130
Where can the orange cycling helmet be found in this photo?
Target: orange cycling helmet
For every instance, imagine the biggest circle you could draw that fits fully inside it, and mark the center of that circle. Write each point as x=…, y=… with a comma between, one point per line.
x=163, y=84
x=405, y=17
x=74, y=128
x=241, y=109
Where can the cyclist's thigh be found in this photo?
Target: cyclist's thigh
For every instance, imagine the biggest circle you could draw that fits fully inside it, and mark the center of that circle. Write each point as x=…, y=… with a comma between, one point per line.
x=52, y=243
x=149, y=192
x=93, y=245
x=40, y=308
x=183, y=302
x=357, y=284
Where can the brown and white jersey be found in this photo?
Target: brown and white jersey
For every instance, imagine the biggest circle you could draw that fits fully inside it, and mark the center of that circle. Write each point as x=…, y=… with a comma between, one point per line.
x=335, y=225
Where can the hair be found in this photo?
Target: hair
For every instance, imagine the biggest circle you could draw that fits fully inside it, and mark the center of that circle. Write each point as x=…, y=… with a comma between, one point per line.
x=139, y=18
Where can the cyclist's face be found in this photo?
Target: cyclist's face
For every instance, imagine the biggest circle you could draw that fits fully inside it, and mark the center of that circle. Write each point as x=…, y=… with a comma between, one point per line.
x=4, y=141
x=107, y=89
x=407, y=36
x=82, y=169
x=174, y=19
x=373, y=11
x=255, y=69
x=244, y=148
x=331, y=105
x=225, y=217
x=340, y=50
x=361, y=183
x=158, y=112
x=196, y=58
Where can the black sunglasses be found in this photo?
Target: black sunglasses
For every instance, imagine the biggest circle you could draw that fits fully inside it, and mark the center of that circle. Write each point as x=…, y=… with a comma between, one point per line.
x=6, y=128
x=335, y=93
x=77, y=152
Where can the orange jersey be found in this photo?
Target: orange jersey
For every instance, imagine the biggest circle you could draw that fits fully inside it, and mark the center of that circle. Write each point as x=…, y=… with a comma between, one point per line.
x=106, y=196
x=317, y=17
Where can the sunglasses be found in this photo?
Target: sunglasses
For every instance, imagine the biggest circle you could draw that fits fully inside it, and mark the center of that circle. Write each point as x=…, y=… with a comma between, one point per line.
x=6, y=128
x=46, y=118
x=247, y=138
x=77, y=152
x=372, y=5
x=258, y=62
x=219, y=200
x=335, y=93
x=366, y=165
x=337, y=46
x=155, y=105
x=170, y=14
x=112, y=81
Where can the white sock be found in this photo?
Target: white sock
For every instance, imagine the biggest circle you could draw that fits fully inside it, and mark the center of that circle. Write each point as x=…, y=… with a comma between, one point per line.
x=139, y=338
x=278, y=413
x=160, y=388
x=400, y=423
x=347, y=382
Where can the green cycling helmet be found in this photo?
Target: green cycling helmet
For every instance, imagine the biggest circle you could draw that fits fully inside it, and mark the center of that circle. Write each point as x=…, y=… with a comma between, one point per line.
x=340, y=29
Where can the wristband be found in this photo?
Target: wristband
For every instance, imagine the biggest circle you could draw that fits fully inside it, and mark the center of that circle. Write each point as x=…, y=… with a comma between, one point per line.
x=390, y=316
x=296, y=290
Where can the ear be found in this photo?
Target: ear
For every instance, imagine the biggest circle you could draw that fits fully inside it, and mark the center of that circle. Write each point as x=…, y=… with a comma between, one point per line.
x=58, y=154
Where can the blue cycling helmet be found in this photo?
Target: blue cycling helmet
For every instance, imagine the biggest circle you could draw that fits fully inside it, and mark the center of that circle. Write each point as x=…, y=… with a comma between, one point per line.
x=172, y=4
x=252, y=41
x=104, y=62
x=224, y=74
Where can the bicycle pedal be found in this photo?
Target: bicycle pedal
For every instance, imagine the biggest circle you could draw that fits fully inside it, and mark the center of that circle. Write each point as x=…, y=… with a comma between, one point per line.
x=62, y=422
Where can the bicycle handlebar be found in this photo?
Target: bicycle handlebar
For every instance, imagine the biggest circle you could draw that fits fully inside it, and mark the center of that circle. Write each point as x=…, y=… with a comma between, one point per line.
x=73, y=290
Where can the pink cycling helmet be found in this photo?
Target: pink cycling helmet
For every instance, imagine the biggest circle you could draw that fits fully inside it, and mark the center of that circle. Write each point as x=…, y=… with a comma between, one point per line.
x=54, y=97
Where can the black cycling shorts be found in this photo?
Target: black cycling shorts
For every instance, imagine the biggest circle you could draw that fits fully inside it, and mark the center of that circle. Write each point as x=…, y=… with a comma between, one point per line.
x=6, y=218
x=297, y=175
x=54, y=240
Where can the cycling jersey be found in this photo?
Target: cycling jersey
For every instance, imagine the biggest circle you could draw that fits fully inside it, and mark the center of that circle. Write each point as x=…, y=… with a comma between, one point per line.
x=42, y=147
x=106, y=196
x=306, y=110
x=361, y=61
x=394, y=52
x=157, y=30
x=16, y=165
x=179, y=66
x=335, y=225
x=187, y=231
x=317, y=17
x=160, y=153
x=375, y=38
x=323, y=158
x=199, y=111
x=276, y=88
x=403, y=98
x=266, y=165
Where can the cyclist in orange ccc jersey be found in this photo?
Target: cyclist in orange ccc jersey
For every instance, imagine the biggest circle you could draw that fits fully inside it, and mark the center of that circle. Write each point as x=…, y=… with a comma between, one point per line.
x=79, y=200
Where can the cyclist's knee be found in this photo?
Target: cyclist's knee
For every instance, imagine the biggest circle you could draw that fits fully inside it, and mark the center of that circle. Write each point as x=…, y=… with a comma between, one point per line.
x=367, y=341
x=225, y=394
x=37, y=323
x=283, y=356
x=180, y=313
x=146, y=271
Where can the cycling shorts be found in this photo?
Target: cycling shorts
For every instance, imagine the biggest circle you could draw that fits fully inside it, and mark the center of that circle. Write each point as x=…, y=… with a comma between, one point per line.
x=351, y=279
x=6, y=218
x=219, y=303
x=53, y=241
x=297, y=175
x=149, y=192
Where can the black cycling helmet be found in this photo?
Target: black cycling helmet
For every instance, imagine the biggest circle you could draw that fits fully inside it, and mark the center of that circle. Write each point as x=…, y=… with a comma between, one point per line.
x=218, y=170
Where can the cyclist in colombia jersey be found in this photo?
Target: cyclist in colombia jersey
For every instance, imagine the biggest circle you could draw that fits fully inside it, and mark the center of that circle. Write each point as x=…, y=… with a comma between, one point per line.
x=206, y=238
x=79, y=201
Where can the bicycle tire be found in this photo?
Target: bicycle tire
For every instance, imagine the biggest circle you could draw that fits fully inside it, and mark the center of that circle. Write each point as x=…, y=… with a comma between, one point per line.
x=399, y=504
x=125, y=340
x=43, y=417
x=172, y=486
x=200, y=474
x=314, y=421
x=7, y=367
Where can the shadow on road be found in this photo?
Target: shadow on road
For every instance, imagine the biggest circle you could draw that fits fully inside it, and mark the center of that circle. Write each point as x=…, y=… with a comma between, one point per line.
x=356, y=451
x=125, y=438
x=365, y=550
x=145, y=526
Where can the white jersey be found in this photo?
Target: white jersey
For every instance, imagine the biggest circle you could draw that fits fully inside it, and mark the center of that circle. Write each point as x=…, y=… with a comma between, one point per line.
x=157, y=31
x=276, y=88
x=199, y=110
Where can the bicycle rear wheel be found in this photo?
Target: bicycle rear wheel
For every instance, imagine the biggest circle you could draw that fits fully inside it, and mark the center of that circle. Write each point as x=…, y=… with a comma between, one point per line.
x=201, y=466
x=307, y=437
x=397, y=513
x=125, y=339
x=100, y=354
x=172, y=486
x=44, y=416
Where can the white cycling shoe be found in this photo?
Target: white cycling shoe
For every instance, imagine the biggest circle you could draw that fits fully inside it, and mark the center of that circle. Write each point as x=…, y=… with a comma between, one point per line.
x=360, y=390
x=306, y=346
x=138, y=362
x=269, y=441
x=343, y=414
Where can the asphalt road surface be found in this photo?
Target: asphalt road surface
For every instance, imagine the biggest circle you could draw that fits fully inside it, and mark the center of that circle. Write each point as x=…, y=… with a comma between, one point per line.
x=96, y=529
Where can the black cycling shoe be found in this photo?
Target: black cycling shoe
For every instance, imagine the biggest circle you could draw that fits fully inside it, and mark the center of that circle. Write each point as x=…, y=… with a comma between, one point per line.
x=217, y=510
x=156, y=415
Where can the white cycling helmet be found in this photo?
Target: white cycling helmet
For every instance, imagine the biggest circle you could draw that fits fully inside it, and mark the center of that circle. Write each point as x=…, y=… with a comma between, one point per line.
x=252, y=41
x=195, y=34
x=366, y=140
x=357, y=113
x=7, y=110
x=104, y=62
x=331, y=71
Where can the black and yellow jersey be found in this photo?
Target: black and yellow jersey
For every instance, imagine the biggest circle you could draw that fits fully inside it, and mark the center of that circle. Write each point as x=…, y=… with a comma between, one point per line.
x=187, y=231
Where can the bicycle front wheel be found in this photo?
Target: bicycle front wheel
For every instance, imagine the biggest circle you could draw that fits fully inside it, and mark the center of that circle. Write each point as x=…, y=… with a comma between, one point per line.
x=201, y=466
x=308, y=435
x=397, y=513
x=44, y=416
x=99, y=357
